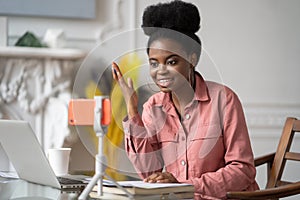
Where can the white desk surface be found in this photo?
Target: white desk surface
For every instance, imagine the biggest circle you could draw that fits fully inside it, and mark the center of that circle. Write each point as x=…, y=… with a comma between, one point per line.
x=21, y=190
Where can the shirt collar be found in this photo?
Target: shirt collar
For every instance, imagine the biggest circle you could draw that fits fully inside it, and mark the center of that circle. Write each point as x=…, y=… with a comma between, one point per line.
x=201, y=94
x=201, y=90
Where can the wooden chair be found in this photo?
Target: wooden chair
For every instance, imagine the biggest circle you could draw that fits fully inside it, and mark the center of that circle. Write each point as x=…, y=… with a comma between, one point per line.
x=276, y=188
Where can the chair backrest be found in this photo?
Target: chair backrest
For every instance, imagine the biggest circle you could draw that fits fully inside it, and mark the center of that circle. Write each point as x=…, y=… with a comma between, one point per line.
x=283, y=153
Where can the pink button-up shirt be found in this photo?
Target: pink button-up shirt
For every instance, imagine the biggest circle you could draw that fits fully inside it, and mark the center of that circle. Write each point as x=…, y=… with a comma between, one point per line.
x=208, y=147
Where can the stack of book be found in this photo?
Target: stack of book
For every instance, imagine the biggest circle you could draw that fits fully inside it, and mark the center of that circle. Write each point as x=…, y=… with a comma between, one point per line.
x=142, y=190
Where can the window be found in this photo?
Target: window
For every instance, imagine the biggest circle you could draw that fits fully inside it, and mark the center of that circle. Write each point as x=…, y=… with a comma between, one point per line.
x=82, y=9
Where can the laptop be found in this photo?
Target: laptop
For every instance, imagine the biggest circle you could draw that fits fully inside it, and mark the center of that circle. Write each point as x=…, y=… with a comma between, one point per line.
x=25, y=153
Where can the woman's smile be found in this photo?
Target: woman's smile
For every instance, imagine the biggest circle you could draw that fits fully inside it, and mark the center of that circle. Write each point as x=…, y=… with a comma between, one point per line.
x=164, y=82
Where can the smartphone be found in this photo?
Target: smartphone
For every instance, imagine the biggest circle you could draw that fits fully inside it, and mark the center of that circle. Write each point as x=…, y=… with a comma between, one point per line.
x=81, y=112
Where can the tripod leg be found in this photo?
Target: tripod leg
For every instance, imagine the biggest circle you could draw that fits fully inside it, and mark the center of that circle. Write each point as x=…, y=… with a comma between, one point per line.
x=85, y=193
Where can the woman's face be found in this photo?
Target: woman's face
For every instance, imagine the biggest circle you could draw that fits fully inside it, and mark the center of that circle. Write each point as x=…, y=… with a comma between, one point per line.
x=169, y=65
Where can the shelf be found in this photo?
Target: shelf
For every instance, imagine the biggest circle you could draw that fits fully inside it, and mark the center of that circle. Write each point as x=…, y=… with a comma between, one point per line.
x=51, y=53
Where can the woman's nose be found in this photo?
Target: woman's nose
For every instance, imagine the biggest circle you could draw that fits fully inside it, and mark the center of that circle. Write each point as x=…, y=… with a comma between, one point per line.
x=162, y=68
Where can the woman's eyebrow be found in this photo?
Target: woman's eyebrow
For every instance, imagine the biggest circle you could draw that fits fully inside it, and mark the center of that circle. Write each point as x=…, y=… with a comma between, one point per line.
x=152, y=59
x=168, y=57
x=172, y=55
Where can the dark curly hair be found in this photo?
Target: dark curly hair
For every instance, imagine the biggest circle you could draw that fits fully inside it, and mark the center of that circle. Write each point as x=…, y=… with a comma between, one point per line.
x=175, y=20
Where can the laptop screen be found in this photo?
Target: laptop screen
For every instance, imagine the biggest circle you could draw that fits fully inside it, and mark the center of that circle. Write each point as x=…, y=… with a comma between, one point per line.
x=25, y=153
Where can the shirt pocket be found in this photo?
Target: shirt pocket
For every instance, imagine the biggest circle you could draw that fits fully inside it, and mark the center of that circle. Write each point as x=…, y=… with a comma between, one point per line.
x=168, y=140
x=206, y=139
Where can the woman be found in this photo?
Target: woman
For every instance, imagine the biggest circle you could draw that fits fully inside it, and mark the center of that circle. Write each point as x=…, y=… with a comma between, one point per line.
x=192, y=131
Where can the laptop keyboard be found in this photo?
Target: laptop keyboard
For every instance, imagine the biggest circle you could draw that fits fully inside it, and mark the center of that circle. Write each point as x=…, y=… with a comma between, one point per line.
x=64, y=180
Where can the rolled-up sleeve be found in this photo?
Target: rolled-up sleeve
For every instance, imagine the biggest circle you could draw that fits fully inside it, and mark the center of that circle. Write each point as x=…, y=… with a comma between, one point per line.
x=142, y=150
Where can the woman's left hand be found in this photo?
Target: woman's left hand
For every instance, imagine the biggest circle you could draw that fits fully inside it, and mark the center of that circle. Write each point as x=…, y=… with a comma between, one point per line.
x=128, y=91
x=161, y=177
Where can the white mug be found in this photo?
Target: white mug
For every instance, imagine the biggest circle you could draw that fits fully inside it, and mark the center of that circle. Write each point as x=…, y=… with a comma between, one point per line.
x=59, y=160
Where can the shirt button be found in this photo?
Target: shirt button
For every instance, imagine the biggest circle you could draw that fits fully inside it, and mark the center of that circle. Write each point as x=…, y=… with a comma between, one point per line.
x=182, y=138
x=182, y=162
x=187, y=116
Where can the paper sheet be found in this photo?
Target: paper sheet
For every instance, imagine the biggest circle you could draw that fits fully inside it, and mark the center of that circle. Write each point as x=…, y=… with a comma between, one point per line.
x=142, y=184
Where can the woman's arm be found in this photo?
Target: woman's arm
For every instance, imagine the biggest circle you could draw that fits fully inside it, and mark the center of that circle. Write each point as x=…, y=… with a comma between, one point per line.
x=142, y=150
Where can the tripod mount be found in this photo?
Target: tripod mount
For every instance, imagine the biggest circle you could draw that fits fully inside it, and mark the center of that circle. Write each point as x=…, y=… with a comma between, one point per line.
x=79, y=114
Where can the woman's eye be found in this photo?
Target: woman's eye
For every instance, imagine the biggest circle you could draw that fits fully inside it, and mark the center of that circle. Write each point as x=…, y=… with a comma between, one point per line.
x=171, y=62
x=153, y=64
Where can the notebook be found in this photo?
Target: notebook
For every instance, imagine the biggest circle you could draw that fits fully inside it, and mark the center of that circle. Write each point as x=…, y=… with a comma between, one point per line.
x=25, y=153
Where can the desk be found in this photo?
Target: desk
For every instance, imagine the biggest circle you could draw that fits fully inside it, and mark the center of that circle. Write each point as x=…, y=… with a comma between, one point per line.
x=21, y=190
x=15, y=189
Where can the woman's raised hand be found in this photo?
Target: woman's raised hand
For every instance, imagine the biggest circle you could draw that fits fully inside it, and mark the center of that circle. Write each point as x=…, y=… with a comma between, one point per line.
x=128, y=91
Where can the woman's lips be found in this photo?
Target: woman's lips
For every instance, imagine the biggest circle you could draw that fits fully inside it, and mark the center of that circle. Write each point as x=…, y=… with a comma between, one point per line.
x=164, y=82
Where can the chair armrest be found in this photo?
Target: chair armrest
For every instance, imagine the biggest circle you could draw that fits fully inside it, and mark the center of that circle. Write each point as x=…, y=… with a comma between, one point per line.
x=278, y=192
x=264, y=159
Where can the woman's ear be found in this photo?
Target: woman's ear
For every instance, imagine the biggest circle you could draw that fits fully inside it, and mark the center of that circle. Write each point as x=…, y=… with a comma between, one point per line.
x=194, y=59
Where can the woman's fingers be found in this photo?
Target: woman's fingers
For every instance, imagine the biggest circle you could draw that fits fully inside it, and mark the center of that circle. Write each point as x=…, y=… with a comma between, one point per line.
x=130, y=83
x=155, y=177
x=161, y=177
x=117, y=75
x=127, y=90
x=151, y=178
x=116, y=71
